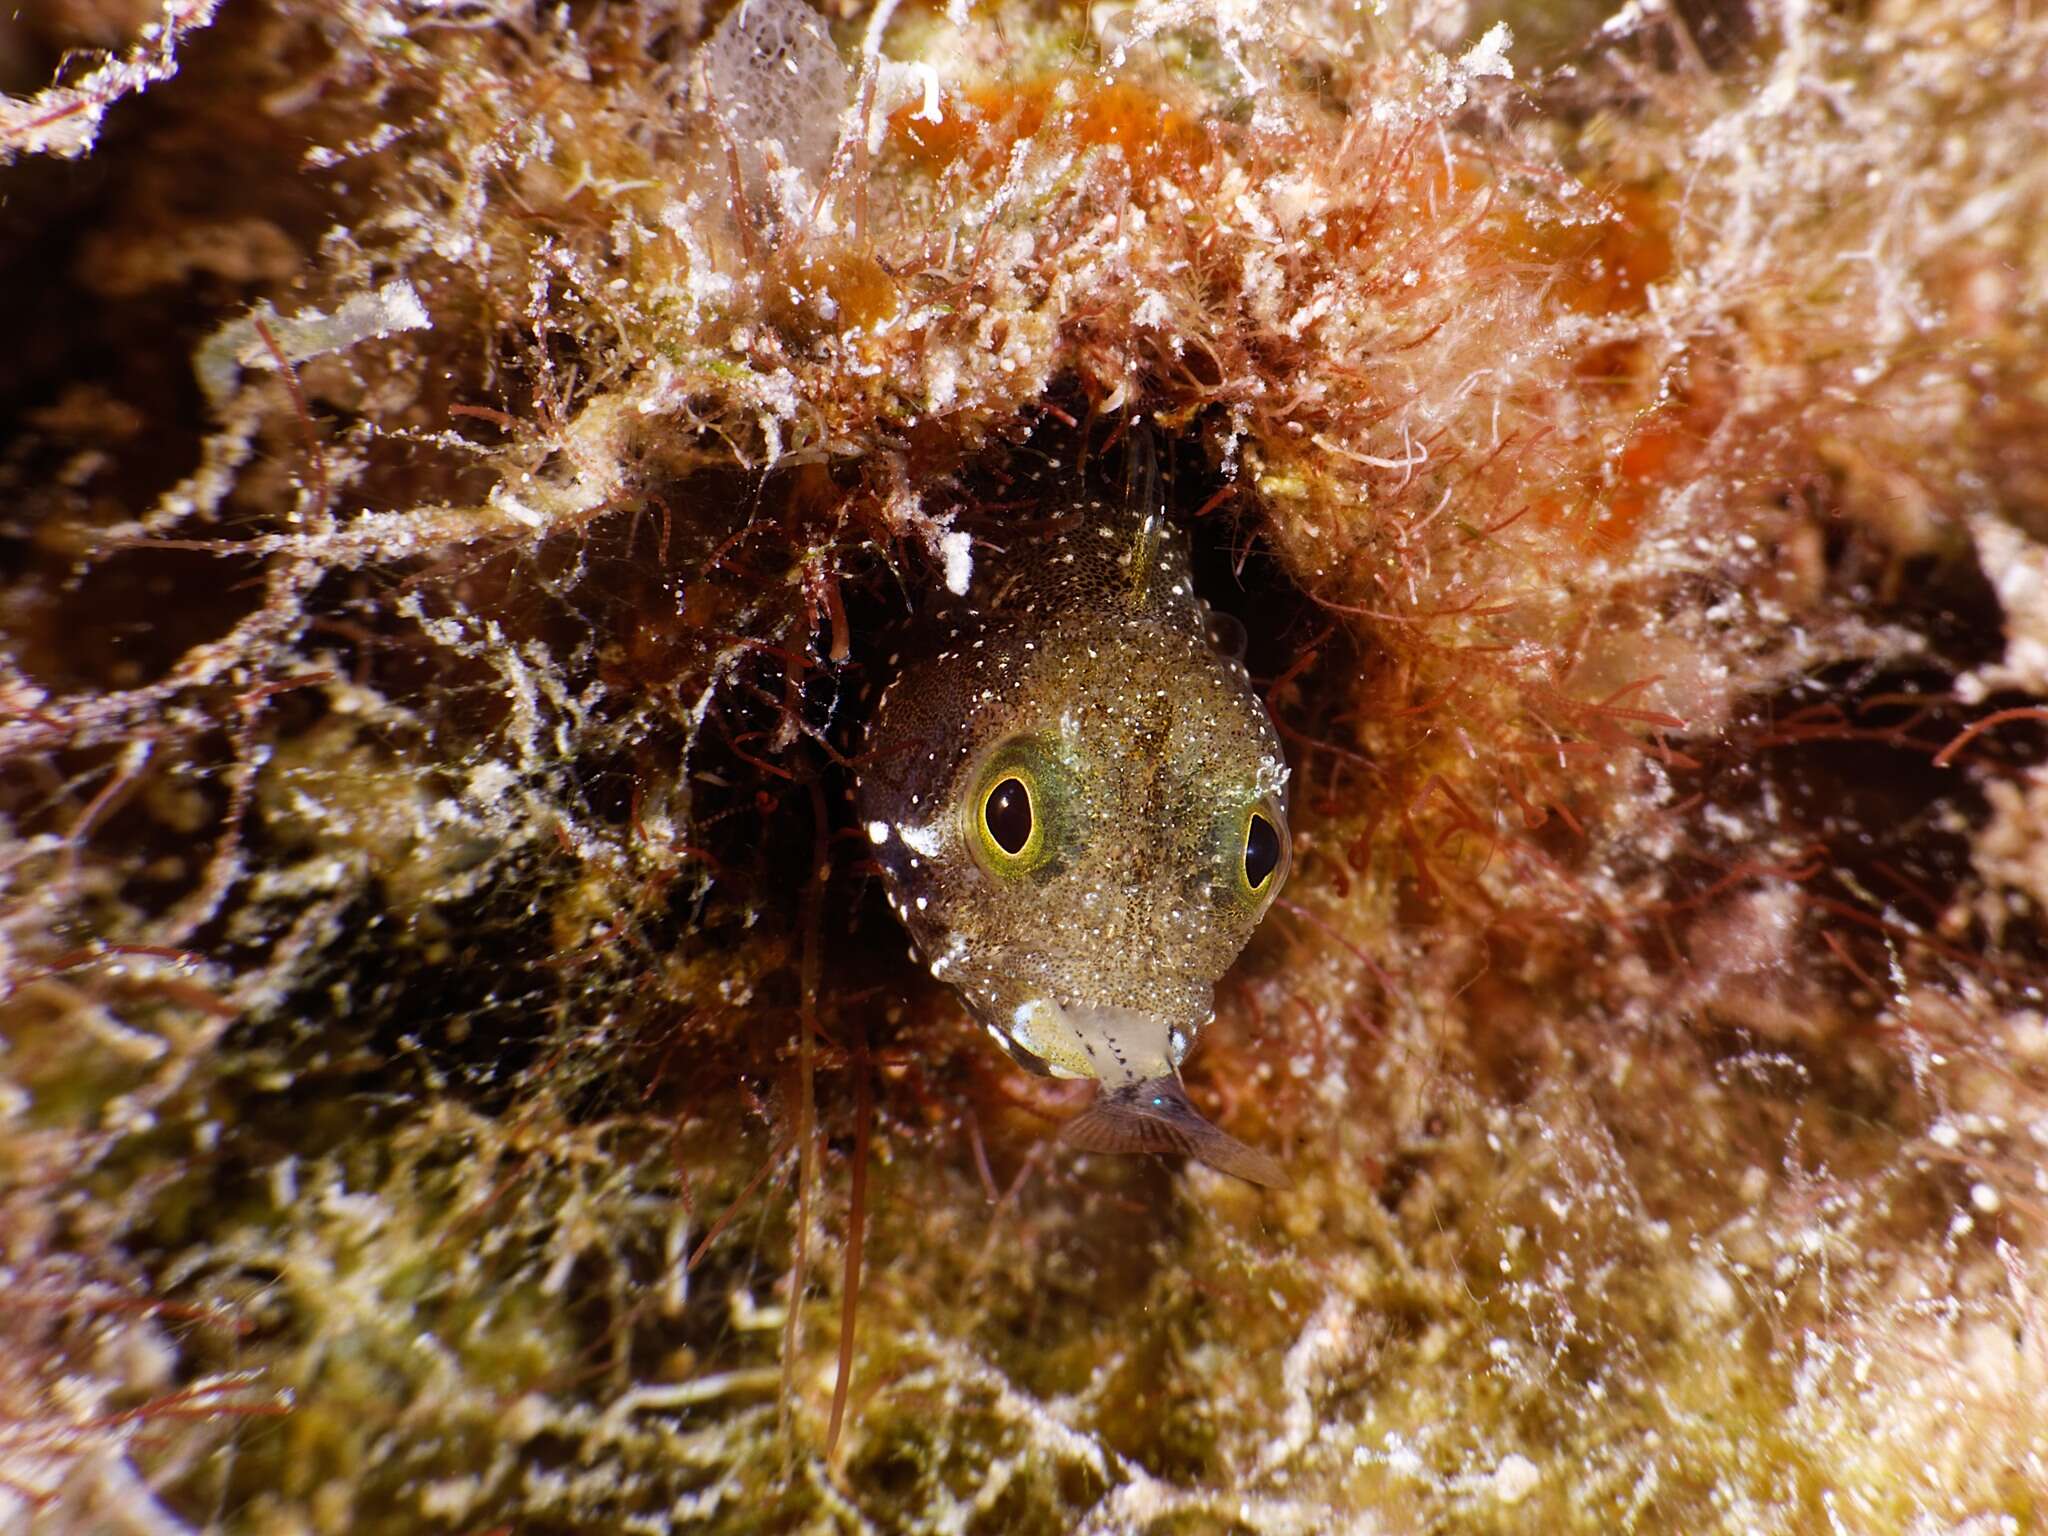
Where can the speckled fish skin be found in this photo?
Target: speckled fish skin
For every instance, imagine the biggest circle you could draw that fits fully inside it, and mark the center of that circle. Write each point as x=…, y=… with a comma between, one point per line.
x=1084, y=652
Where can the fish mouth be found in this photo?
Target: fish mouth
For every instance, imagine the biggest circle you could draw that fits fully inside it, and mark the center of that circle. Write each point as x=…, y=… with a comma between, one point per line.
x=1115, y=1045
x=1155, y=1115
x=1141, y=1105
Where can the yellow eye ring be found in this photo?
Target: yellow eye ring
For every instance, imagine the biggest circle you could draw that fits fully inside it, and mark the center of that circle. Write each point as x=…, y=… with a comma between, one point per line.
x=1007, y=824
x=1264, y=853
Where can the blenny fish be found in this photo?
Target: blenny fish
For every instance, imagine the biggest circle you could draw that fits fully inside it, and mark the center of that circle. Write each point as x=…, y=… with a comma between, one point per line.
x=1079, y=807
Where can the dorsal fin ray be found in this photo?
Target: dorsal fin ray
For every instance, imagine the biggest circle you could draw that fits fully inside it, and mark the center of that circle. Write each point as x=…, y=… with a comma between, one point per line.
x=1142, y=505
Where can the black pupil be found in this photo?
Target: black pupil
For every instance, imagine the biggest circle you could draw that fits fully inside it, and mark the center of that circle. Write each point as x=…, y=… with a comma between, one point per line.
x=1261, y=851
x=1008, y=813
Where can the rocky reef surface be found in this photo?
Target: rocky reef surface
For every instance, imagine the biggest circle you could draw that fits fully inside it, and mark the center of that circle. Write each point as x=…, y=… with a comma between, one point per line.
x=462, y=464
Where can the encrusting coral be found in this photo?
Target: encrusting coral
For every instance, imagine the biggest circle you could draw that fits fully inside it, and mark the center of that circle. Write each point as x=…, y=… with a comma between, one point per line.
x=465, y=468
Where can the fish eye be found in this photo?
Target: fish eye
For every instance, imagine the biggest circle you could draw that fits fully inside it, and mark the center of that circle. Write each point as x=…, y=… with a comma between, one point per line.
x=1015, y=812
x=1261, y=852
x=1006, y=815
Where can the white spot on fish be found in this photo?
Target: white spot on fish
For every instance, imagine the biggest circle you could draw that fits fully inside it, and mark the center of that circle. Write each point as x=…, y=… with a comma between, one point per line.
x=955, y=952
x=924, y=839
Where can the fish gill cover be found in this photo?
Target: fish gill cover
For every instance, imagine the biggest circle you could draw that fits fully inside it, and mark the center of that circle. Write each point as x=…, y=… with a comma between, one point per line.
x=465, y=465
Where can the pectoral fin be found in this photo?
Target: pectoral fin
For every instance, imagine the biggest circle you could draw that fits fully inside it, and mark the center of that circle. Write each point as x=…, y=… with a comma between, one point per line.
x=1155, y=1116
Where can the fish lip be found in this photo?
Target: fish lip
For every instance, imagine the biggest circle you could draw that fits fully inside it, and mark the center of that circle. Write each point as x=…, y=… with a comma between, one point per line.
x=1111, y=1042
x=1130, y=1045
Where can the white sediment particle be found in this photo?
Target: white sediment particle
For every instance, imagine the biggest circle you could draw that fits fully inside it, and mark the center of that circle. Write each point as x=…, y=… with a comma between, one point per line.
x=2011, y=854
x=241, y=342
x=1713, y=1294
x=942, y=380
x=956, y=549
x=897, y=85
x=1632, y=17
x=1489, y=57
x=64, y=120
x=2018, y=569
x=878, y=832
x=1515, y=1479
x=1326, y=1342
x=325, y=157
x=489, y=782
x=450, y=1498
x=668, y=1397
x=505, y=502
x=1486, y=58
x=703, y=284
x=1153, y=312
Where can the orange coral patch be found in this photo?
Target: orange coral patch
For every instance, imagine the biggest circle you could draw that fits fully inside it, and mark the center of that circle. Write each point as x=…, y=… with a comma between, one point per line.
x=1605, y=266
x=982, y=123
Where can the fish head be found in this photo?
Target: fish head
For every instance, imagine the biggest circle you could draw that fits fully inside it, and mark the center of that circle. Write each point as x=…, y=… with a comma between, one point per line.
x=1081, y=819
